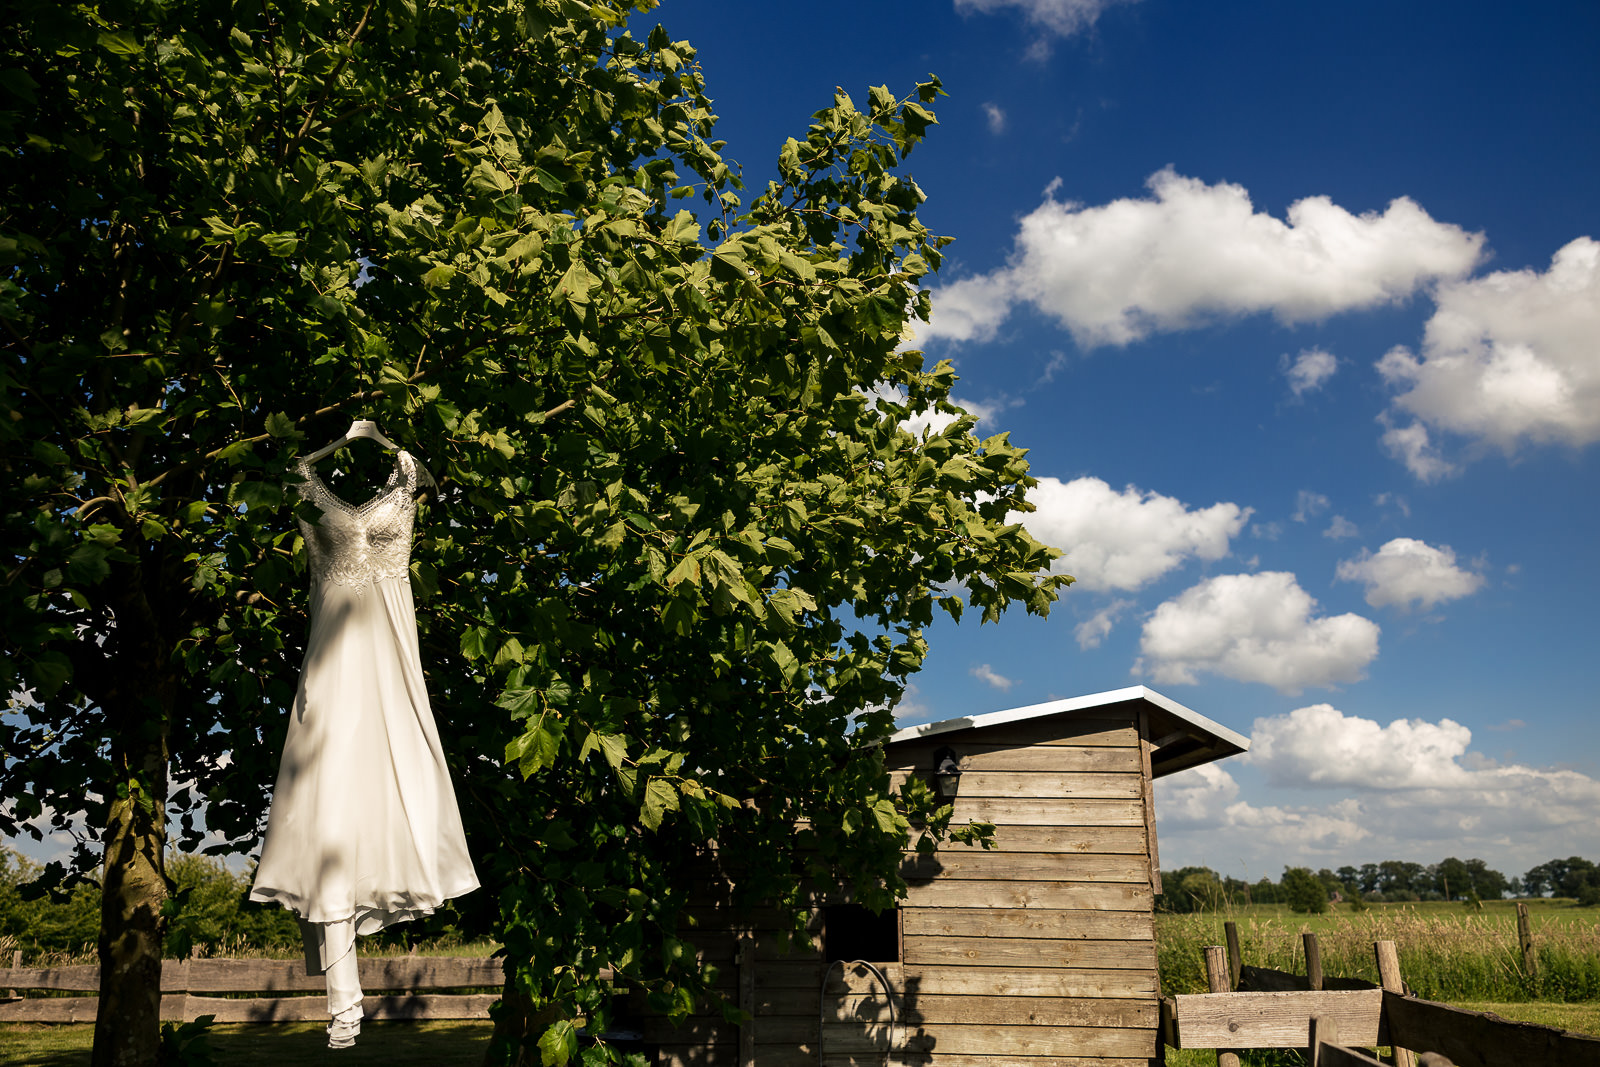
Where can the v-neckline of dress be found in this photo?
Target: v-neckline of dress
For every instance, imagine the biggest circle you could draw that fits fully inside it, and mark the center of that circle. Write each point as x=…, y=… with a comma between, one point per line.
x=396, y=479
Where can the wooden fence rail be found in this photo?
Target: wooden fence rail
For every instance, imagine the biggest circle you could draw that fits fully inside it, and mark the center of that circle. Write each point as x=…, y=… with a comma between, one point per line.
x=403, y=978
x=1369, y=1017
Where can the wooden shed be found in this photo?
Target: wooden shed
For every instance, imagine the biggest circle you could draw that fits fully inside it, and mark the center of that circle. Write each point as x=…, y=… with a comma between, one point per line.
x=1038, y=953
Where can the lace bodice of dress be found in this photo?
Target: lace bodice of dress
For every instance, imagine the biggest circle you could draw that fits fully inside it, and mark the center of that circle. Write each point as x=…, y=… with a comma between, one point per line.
x=356, y=545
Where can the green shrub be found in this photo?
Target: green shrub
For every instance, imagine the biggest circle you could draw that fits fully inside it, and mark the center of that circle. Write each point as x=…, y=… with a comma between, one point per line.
x=209, y=909
x=1304, y=891
x=70, y=926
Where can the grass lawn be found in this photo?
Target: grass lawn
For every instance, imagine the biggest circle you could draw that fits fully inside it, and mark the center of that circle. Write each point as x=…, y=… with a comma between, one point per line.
x=460, y=1044
x=444, y=1043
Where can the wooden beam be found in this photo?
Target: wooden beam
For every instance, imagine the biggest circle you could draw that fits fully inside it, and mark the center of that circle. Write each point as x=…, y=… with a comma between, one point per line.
x=1217, y=982
x=1325, y=1050
x=919, y=1009
x=1104, y=840
x=1530, y=961
x=1230, y=931
x=1067, y=896
x=747, y=1000
x=1389, y=975
x=1008, y=1043
x=1033, y=811
x=1148, y=801
x=1025, y=866
x=1027, y=922
x=1045, y=784
x=275, y=976
x=1029, y=952
x=1276, y=1020
x=1025, y=759
x=1313, y=960
x=181, y=1007
x=1482, y=1039
x=1119, y=731
x=1032, y=981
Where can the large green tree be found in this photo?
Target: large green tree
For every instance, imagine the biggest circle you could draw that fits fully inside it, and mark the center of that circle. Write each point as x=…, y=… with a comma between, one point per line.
x=682, y=550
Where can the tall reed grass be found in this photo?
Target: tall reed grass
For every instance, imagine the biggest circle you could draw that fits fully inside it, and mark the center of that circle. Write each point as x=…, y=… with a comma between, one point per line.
x=1446, y=958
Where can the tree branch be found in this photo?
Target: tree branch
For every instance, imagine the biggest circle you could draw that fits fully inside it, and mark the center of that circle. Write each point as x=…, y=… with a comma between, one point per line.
x=327, y=88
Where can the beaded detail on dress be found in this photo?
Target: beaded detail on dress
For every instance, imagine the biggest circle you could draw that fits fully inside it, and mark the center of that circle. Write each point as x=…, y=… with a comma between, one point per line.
x=352, y=545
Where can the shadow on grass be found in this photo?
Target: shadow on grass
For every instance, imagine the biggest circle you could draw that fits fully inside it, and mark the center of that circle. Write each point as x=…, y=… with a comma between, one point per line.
x=450, y=1043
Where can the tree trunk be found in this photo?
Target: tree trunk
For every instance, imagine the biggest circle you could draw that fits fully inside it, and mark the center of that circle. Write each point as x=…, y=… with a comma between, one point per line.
x=127, y=1028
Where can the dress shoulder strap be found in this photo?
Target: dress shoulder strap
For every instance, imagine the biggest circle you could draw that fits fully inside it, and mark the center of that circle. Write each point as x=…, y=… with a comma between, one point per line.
x=408, y=471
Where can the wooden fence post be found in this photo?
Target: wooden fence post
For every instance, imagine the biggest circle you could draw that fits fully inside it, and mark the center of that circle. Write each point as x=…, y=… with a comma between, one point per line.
x=1324, y=1031
x=16, y=962
x=1530, y=962
x=1313, y=961
x=1235, y=963
x=1389, y=977
x=1217, y=981
x=747, y=1000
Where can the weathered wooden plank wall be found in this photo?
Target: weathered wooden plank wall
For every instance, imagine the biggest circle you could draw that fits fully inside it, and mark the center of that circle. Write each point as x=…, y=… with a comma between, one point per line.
x=1039, y=953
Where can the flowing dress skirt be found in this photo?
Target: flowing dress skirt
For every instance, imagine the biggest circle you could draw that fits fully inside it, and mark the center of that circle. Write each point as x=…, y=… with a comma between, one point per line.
x=364, y=823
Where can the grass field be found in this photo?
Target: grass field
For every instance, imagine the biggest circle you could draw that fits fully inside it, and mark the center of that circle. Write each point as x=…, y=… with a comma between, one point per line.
x=1447, y=952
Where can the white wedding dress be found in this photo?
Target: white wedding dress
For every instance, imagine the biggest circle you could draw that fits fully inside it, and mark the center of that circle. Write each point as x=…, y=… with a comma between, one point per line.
x=364, y=827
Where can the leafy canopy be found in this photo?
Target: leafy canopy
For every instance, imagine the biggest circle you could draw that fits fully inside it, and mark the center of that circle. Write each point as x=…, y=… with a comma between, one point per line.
x=683, y=549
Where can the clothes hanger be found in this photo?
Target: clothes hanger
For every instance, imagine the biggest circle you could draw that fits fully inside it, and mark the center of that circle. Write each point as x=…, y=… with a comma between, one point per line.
x=369, y=429
x=359, y=428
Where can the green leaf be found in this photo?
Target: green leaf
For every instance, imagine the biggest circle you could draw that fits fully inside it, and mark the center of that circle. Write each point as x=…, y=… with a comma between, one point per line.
x=119, y=44
x=280, y=244
x=536, y=748
x=659, y=798
x=687, y=570
x=50, y=671
x=576, y=284
x=558, y=1044
x=281, y=425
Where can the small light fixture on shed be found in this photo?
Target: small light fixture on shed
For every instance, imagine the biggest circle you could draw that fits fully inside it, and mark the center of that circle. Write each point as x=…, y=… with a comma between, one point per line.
x=947, y=772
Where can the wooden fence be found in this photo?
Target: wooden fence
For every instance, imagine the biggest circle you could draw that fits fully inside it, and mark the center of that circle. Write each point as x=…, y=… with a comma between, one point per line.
x=1277, y=1009
x=407, y=981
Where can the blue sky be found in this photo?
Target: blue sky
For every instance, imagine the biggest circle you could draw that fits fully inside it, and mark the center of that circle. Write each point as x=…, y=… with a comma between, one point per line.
x=1298, y=308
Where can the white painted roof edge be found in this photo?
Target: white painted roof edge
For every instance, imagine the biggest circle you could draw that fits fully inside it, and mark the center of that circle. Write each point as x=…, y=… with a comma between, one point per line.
x=1054, y=707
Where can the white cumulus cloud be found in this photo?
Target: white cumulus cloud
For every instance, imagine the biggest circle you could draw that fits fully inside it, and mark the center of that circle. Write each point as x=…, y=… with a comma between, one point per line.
x=989, y=676
x=1412, y=446
x=1097, y=627
x=1340, y=528
x=1192, y=253
x=1125, y=539
x=1255, y=628
x=1307, y=505
x=1512, y=357
x=930, y=421
x=995, y=117
x=1406, y=572
x=1310, y=370
x=1321, y=746
x=1413, y=787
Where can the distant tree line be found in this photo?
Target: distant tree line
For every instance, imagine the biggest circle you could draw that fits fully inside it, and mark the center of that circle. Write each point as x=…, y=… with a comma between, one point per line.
x=1201, y=888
